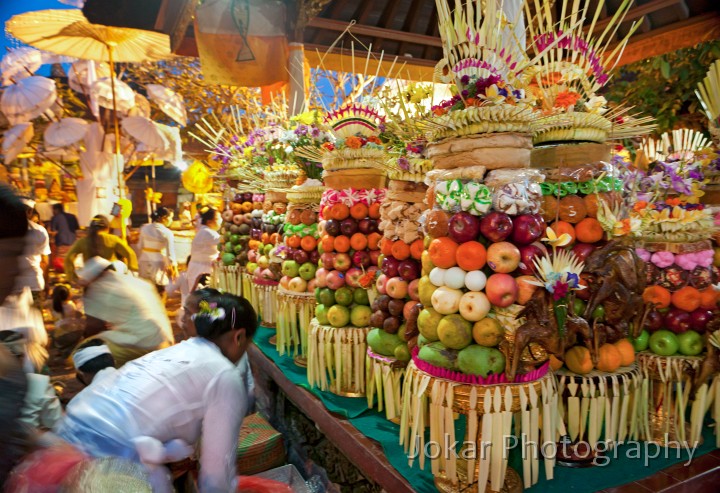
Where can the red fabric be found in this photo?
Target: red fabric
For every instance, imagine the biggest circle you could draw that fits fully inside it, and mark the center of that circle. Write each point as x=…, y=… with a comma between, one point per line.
x=253, y=484
x=43, y=471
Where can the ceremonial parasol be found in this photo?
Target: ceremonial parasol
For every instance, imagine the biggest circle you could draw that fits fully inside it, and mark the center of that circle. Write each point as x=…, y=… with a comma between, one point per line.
x=84, y=72
x=15, y=140
x=169, y=102
x=141, y=108
x=28, y=99
x=65, y=132
x=113, y=94
x=19, y=64
x=144, y=130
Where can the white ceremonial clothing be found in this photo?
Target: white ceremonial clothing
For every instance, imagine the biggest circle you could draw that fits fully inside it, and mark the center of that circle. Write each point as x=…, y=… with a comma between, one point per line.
x=37, y=244
x=203, y=252
x=157, y=252
x=41, y=408
x=19, y=314
x=132, y=308
x=186, y=393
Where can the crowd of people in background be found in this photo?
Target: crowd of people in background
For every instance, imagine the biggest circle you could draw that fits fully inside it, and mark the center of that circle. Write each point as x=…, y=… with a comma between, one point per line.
x=146, y=400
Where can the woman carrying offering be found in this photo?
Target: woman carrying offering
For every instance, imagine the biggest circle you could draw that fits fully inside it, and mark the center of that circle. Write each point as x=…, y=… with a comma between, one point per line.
x=158, y=262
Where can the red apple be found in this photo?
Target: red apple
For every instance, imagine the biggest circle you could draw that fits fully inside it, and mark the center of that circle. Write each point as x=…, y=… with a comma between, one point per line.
x=414, y=289
x=327, y=260
x=397, y=287
x=583, y=250
x=314, y=256
x=342, y=262
x=361, y=258
x=528, y=253
x=654, y=321
x=352, y=277
x=699, y=319
x=311, y=285
x=463, y=227
x=335, y=280
x=285, y=282
x=527, y=228
x=390, y=266
x=374, y=256
x=367, y=226
x=503, y=257
x=678, y=321
x=348, y=227
x=409, y=270
x=501, y=290
x=380, y=283
x=332, y=227
x=321, y=277
x=496, y=226
x=301, y=256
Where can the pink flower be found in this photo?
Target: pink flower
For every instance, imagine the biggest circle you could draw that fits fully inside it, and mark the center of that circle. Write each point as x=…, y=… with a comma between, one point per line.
x=662, y=259
x=687, y=261
x=643, y=254
x=705, y=258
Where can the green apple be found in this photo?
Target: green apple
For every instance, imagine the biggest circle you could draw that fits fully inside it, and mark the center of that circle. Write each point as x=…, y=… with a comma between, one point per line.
x=290, y=268
x=229, y=247
x=251, y=267
x=427, y=322
x=360, y=297
x=664, y=343
x=234, y=239
x=691, y=343
x=228, y=258
x=338, y=316
x=641, y=342
x=321, y=314
x=344, y=296
x=326, y=297
x=360, y=316
x=307, y=271
x=267, y=248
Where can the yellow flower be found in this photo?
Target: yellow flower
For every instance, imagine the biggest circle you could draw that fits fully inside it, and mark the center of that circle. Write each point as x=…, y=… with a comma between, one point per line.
x=306, y=118
x=556, y=241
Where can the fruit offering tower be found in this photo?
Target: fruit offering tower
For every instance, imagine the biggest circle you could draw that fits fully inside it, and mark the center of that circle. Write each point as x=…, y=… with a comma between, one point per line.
x=483, y=207
x=349, y=245
x=296, y=295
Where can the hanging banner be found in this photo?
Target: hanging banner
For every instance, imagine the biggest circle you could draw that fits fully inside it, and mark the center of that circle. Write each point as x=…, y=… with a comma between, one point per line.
x=242, y=42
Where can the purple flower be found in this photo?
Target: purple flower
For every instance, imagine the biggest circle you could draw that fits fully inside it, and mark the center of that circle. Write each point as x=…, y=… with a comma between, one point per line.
x=573, y=280
x=315, y=132
x=465, y=93
x=403, y=163
x=465, y=80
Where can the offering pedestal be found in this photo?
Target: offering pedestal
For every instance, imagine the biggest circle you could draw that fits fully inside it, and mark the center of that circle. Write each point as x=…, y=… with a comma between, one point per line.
x=228, y=278
x=336, y=359
x=384, y=378
x=265, y=295
x=294, y=314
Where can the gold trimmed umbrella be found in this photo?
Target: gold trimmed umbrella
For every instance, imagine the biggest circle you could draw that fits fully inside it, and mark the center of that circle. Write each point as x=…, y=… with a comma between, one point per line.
x=28, y=98
x=107, y=92
x=65, y=132
x=15, y=139
x=145, y=131
x=169, y=102
x=79, y=75
x=20, y=63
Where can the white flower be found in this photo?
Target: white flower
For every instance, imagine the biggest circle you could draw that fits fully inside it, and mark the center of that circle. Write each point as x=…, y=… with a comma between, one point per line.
x=596, y=104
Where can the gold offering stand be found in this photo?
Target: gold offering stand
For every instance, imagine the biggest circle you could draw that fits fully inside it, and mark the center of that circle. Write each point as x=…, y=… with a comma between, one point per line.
x=264, y=294
x=336, y=359
x=295, y=311
x=666, y=396
x=228, y=278
x=601, y=406
x=384, y=376
x=490, y=410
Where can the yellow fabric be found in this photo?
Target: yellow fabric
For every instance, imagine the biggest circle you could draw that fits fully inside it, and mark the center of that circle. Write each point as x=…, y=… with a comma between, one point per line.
x=123, y=354
x=111, y=248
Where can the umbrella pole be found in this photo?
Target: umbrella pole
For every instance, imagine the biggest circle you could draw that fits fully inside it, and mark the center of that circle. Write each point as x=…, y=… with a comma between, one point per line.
x=121, y=187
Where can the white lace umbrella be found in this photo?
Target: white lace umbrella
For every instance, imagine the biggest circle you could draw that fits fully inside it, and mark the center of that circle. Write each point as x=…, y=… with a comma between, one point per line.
x=66, y=132
x=141, y=108
x=28, y=99
x=61, y=154
x=169, y=102
x=102, y=92
x=19, y=64
x=15, y=140
x=83, y=73
x=145, y=131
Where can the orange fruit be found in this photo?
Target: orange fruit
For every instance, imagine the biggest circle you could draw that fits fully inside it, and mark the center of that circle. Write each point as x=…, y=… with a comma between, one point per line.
x=416, y=249
x=374, y=240
x=708, y=299
x=571, y=208
x=326, y=212
x=443, y=252
x=400, y=250
x=308, y=243
x=578, y=360
x=328, y=244
x=589, y=230
x=471, y=255
x=657, y=296
x=374, y=210
x=340, y=211
x=609, y=358
x=359, y=211
x=293, y=241
x=386, y=246
x=555, y=364
x=627, y=352
x=265, y=238
x=342, y=244
x=562, y=227
x=274, y=238
x=687, y=298
x=358, y=241
x=254, y=244
x=592, y=204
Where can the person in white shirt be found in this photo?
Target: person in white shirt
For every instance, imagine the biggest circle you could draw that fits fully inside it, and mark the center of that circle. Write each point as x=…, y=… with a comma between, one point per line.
x=158, y=262
x=124, y=311
x=159, y=405
x=35, y=258
x=204, y=248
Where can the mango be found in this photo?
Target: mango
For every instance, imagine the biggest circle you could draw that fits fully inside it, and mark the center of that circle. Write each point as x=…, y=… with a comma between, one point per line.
x=437, y=354
x=481, y=360
x=383, y=343
x=422, y=340
x=402, y=353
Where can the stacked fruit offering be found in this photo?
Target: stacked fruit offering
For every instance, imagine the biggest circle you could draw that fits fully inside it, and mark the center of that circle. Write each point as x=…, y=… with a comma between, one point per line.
x=349, y=246
x=296, y=295
x=482, y=238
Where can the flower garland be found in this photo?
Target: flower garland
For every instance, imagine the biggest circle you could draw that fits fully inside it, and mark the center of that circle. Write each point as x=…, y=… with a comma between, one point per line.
x=480, y=91
x=351, y=196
